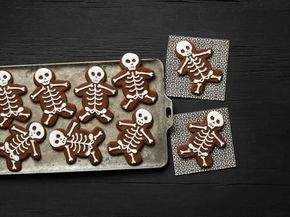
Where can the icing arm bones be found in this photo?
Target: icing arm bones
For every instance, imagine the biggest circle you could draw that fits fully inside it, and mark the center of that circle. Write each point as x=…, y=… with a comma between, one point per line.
x=35, y=93
x=219, y=139
x=119, y=77
x=121, y=125
x=20, y=88
x=79, y=89
x=180, y=70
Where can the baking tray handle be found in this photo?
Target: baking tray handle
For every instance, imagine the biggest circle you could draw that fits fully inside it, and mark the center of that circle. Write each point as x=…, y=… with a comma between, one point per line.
x=169, y=112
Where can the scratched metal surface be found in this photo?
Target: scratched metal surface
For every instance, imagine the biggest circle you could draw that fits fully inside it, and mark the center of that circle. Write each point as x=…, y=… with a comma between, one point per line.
x=54, y=161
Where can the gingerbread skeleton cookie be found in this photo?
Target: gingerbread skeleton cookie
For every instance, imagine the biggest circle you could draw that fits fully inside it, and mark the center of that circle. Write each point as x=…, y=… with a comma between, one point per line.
x=133, y=78
x=205, y=136
x=76, y=142
x=194, y=62
x=134, y=134
x=50, y=93
x=94, y=95
x=21, y=144
x=11, y=105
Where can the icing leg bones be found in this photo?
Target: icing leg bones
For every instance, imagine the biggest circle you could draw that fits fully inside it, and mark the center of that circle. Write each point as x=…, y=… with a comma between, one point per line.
x=77, y=142
x=134, y=82
x=134, y=133
x=205, y=135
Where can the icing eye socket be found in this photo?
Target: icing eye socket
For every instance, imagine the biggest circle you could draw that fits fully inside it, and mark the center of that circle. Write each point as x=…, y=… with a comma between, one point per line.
x=212, y=117
x=127, y=61
x=93, y=73
x=99, y=74
x=57, y=136
x=46, y=74
x=34, y=127
x=140, y=115
x=217, y=121
x=40, y=77
x=133, y=60
x=187, y=47
x=56, y=141
x=4, y=76
x=145, y=118
x=38, y=133
x=182, y=51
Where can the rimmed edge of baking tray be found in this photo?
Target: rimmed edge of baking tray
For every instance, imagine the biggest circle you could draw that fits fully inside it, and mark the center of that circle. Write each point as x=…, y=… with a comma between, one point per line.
x=168, y=105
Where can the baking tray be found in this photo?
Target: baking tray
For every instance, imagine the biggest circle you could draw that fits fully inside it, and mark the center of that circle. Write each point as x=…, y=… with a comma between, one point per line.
x=54, y=161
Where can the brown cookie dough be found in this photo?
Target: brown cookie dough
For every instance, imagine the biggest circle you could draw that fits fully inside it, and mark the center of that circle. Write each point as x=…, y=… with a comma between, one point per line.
x=11, y=104
x=76, y=142
x=194, y=62
x=133, y=78
x=50, y=93
x=134, y=134
x=94, y=95
x=205, y=136
x=21, y=144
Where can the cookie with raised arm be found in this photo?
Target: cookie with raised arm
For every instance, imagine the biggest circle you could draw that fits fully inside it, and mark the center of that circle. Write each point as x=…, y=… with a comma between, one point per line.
x=194, y=63
x=134, y=81
x=95, y=94
x=21, y=144
x=132, y=137
x=11, y=104
x=76, y=142
x=205, y=135
x=50, y=94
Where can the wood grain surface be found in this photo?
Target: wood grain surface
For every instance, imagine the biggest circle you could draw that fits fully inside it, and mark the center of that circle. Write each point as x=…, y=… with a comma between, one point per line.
x=257, y=97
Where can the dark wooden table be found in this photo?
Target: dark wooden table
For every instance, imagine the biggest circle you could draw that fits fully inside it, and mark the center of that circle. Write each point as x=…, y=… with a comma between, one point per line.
x=257, y=98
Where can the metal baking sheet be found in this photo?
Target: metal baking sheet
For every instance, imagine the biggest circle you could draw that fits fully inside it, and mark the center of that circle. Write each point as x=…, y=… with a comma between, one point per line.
x=54, y=161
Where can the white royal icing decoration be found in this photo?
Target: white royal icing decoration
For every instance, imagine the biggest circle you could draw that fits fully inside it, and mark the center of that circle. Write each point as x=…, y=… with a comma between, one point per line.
x=8, y=99
x=95, y=94
x=205, y=137
x=194, y=63
x=75, y=142
x=134, y=134
x=52, y=98
x=22, y=140
x=133, y=79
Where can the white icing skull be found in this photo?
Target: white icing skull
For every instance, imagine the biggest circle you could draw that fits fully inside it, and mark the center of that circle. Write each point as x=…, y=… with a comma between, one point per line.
x=57, y=139
x=96, y=74
x=4, y=78
x=43, y=76
x=184, y=48
x=215, y=119
x=36, y=130
x=130, y=61
x=143, y=117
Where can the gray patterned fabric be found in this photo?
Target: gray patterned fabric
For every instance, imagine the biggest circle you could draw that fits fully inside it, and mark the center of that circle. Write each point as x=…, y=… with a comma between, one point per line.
x=177, y=86
x=223, y=157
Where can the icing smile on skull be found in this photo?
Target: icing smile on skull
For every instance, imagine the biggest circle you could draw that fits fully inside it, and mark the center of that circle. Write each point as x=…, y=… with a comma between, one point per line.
x=184, y=48
x=215, y=119
x=130, y=61
x=36, y=131
x=43, y=76
x=143, y=117
x=4, y=78
x=57, y=138
x=96, y=74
